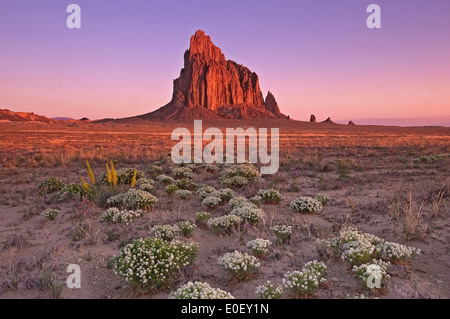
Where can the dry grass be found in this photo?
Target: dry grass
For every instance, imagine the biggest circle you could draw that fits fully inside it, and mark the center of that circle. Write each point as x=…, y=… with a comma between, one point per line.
x=409, y=213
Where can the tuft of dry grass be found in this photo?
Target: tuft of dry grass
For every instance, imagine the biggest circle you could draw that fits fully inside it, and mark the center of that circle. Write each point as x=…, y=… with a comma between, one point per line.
x=409, y=213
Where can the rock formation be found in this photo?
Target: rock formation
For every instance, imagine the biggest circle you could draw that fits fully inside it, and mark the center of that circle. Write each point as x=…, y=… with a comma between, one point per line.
x=328, y=120
x=11, y=116
x=351, y=123
x=210, y=86
x=313, y=119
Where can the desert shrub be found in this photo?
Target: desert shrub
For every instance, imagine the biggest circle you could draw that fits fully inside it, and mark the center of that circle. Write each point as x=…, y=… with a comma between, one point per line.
x=305, y=282
x=224, y=224
x=186, y=228
x=50, y=214
x=202, y=217
x=151, y=263
x=183, y=172
x=165, y=179
x=239, y=265
x=126, y=217
x=322, y=198
x=139, y=199
x=357, y=252
x=183, y=193
x=239, y=175
x=210, y=167
x=376, y=271
x=396, y=252
x=225, y=194
x=211, y=202
x=235, y=181
x=51, y=185
x=270, y=196
x=76, y=190
x=259, y=246
x=306, y=205
x=199, y=290
x=249, y=213
x=116, y=200
x=171, y=189
x=147, y=185
x=204, y=191
x=359, y=248
x=257, y=200
x=282, y=232
x=269, y=291
x=238, y=201
x=154, y=170
x=124, y=176
x=166, y=232
x=185, y=184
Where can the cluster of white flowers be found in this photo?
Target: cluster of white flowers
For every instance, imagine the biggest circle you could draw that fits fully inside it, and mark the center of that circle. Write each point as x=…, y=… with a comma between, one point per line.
x=357, y=247
x=205, y=191
x=165, y=232
x=186, y=228
x=239, y=264
x=269, y=291
x=374, y=272
x=306, y=205
x=396, y=252
x=211, y=202
x=182, y=172
x=145, y=184
x=306, y=281
x=259, y=246
x=324, y=199
x=250, y=213
x=50, y=214
x=116, y=200
x=225, y=194
x=224, y=224
x=199, y=290
x=357, y=252
x=185, y=183
x=116, y=216
x=165, y=179
x=183, y=193
x=270, y=196
x=155, y=170
x=139, y=199
x=257, y=200
x=151, y=262
x=202, y=217
x=238, y=201
x=282, y=232
x=235, y=181
x=239, y=175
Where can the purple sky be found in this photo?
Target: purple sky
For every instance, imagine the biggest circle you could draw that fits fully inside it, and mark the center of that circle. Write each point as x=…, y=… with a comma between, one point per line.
x=316, y=56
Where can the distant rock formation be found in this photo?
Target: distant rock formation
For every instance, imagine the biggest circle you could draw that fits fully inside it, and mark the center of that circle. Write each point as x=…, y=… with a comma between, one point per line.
x=272, y=105
x=351, y=123
x=328, y=120
x=212, y=87
x=11, y=116
x=313, y=119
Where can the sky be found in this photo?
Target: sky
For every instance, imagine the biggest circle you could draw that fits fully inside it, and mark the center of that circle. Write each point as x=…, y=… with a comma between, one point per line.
x=316, y=56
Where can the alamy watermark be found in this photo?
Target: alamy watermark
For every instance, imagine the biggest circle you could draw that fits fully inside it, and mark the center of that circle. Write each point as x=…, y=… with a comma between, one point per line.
x=234, y=152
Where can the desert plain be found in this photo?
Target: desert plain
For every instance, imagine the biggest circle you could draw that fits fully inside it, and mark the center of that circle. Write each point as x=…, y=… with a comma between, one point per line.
x=392, y=182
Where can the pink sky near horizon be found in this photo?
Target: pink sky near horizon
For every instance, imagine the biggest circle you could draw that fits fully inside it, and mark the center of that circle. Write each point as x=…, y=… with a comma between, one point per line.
x=343, y=71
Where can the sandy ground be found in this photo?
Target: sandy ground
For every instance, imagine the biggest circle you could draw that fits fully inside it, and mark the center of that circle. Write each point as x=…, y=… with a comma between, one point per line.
x=383, y=163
